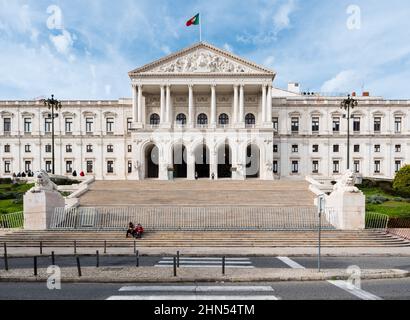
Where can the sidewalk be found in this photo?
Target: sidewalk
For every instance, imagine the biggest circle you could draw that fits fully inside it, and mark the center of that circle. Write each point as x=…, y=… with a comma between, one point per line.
x=165, y=275
x=229, y=252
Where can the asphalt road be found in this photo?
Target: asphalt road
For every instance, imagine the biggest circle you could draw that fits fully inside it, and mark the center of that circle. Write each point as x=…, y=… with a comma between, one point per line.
x=398, y=289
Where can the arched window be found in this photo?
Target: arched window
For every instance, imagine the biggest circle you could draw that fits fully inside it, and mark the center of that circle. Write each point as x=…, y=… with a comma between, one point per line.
x=202, y=119
x=181, y=119
x=250, y=119
x=154, y=120
x=223, y=119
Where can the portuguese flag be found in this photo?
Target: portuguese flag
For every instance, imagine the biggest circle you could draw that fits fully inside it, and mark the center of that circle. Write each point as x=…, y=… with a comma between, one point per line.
x=193, y=21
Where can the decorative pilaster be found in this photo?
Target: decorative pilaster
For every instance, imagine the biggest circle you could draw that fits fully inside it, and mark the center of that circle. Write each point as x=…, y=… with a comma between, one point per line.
x=269, y=106
x=162, y=104
x=168, y=105
x=241, y=120
x=134, y=103
x=213, y=106
x=191, y=108
x=139, y=104
x=235, y=105
x=263, y=113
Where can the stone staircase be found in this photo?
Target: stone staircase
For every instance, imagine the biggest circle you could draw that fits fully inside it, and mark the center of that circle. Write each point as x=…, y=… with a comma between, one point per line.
x=303, y=239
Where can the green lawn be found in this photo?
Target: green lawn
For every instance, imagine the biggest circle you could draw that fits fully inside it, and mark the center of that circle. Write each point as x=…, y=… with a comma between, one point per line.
x=16, y=203
x=392, y=208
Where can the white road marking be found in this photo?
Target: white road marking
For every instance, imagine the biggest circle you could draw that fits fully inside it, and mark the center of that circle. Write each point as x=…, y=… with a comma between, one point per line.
x=198, y=288
x=204, y=262
x=195, y=298
x=291, y=263
x=205, y=266
x=364, y=295
x=204, y=258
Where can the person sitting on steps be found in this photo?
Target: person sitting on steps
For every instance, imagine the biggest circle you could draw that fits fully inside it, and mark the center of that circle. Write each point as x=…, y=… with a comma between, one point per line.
x=139, y=230
x=131, y=230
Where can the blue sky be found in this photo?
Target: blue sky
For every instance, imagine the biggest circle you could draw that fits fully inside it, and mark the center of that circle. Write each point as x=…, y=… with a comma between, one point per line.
x=87, y=53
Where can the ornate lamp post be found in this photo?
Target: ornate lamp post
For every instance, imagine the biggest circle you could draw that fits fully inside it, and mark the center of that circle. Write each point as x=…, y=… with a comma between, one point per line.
x=53, y=105
x=348, y=104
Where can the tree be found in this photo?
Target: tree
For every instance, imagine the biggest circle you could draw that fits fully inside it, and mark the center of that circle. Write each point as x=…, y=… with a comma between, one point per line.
x=401, y=183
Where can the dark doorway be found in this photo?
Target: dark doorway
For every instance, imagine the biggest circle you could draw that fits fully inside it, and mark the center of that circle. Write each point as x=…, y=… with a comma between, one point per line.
x=202, y=168
x=252, y=162
x=224, y=162
x=179, y=161
x=152, y=162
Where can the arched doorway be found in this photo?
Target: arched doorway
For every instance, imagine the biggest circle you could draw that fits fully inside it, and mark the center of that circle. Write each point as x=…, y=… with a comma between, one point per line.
x=202, y=168
x=179, y=161
x=253, y=156
x=152, y=162
x=224, y=162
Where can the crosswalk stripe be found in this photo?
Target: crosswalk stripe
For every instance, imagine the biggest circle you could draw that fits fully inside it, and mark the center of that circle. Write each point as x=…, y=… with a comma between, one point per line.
x=204, y=258
x=291, y=263
x=197, y=288
x=205, y=266
x=364, y=295
x=195, y=298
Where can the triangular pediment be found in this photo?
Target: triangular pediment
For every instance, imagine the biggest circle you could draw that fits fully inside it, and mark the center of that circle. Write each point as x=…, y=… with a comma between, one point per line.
x=202, y=58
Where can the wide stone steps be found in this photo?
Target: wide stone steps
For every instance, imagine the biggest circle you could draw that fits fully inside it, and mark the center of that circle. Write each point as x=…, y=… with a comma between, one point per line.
x=205, y=239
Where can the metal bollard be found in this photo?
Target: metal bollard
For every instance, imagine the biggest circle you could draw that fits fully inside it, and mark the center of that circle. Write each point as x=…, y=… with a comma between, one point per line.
x=177, y=259
x=137, y=258
x=35, y=266
x=175, y=266
x=105, y=246
x=75, y=246
x=98, y=259
x=78, y=266
x=6, y=259
x=53, y=260
x=41, y=247
x=223, y=265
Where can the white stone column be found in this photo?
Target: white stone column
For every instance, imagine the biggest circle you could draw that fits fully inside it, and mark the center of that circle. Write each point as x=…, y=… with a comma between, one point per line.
x=162, y=113
x=241, y=116
x=235, y=105
x=213, y=106
x=191, y=107
x=269, y=106
x=139, y=104
x=134, y=103
x=263, y=120
x=168, y=105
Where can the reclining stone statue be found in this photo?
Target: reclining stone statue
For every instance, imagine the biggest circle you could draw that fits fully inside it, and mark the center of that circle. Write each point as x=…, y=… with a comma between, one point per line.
x=43, y=183
x=347, y=183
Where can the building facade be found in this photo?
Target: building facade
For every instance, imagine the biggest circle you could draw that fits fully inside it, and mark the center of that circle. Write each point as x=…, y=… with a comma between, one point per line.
x=206, y=113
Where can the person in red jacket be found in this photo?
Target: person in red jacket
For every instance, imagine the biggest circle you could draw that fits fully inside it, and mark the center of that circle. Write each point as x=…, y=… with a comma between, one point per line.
x=139, y=230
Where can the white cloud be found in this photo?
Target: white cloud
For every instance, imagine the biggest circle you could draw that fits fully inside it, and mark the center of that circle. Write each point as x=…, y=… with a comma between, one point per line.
x=63, y=42
x=269, y=61
x=347, y=80
x=281, y=19
x=228, y=47
x=166, y=50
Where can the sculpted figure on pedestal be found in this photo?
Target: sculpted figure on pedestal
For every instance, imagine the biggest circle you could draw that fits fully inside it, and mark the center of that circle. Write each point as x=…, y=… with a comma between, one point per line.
x=43, y=183
x=346, y=183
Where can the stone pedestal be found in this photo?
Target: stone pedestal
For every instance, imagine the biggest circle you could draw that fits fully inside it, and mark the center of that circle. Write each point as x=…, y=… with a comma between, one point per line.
x=39, y=208
x=350, y=208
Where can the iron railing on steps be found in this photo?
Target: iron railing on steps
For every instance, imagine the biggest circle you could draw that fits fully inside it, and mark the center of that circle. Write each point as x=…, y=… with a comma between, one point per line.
x=12, y=220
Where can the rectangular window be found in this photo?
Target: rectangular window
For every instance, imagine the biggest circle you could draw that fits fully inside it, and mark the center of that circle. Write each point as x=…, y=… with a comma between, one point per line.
x=377, y=125
x=295, y=148
x=315, y=124
x=69, y=167
x=47, y=125
x=27, y=148
x=295, y=167
x=275, y=166
x=336, y=166
x=377, y=165
x=356, y=124
x=7, y=148
x=90, y=148
x=129, y=167
x=397, y=124
x=336, y=148
x=110, y=166
x=89, y=166
x=48, y=166
x=89, y=125
x=27, y=166
x=68, y=148
x=48, y=148
x=110, y=148
x=398, y=147
x=68, y=125
x=377, y=148
x=129, y=123
x=275, y=124
x=295, y=125
x=129, y=148
x=336, y=125
x=356, y=164
x=27, y=125
x=315, y=148
x=356, y=148
x=315, y=166
x=275, y=148
x=7, y=125
x=110, y=125
x=397, y=165
x=7, y=166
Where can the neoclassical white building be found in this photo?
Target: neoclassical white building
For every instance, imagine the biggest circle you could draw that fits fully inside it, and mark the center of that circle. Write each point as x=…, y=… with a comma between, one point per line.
x=205, y=113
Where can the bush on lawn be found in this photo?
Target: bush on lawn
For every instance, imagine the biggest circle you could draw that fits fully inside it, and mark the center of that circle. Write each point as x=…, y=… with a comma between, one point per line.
x=6, y=181
x=401, y=183
x=377, y=199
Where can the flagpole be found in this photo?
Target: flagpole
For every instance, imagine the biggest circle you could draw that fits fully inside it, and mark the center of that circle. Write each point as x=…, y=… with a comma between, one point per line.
x=200, y=27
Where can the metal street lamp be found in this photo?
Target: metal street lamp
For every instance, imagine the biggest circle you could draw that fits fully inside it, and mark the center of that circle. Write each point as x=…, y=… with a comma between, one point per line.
x=53, y=105
x=348, y=104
